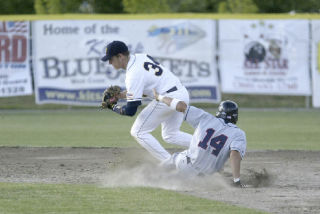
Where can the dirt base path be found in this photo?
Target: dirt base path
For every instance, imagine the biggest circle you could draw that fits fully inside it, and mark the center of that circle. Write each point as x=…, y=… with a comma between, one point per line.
x=280, y=181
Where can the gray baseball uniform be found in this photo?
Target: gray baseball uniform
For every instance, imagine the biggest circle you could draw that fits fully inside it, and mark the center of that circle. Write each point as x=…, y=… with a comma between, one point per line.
x=211, y=143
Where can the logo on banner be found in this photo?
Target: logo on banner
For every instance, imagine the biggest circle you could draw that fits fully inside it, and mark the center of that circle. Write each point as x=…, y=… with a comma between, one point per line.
x=14, y=43
x=265, y=49
x=13, y=27
x=176, y=37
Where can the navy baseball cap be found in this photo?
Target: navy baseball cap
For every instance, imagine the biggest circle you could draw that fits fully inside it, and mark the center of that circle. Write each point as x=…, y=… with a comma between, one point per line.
x=113, y=49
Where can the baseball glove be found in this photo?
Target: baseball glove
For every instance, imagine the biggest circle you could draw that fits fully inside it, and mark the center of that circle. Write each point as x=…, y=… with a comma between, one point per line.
x=110, y=97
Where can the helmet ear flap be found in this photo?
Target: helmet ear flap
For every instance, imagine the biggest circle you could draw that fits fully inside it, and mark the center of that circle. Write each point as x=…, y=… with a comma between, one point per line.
x=221, y=114
x=234, y=118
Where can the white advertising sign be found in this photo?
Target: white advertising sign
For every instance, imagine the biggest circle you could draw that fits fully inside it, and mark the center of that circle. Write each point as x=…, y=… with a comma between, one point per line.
x=315, y=63
x=67, y=56
x=264, y=56
x=15, y=78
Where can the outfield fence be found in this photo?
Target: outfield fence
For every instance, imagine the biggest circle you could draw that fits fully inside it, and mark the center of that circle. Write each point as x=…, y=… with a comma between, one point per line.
x=57, y=57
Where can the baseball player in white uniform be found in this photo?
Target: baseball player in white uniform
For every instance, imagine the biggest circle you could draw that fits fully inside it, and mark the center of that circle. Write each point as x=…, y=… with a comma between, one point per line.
x=215, y=139
x=143, y=74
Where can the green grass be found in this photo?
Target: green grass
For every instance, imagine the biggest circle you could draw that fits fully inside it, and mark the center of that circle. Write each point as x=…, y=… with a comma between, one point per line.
x=287, y=130
x=65, y=128
x=290, y=130
x=87, y=128
x=90, y=199
x=251, y=101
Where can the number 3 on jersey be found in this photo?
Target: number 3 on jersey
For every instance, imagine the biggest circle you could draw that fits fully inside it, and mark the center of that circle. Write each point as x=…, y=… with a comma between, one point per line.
x=153, y=66
x=216, y=143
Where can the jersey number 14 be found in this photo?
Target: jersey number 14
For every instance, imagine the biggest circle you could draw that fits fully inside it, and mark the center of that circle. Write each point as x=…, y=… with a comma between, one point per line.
x=216, y=143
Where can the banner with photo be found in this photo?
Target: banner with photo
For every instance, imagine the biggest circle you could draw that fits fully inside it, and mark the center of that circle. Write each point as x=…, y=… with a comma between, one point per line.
x=15, y=76
x=264, y=56
x=67, y=54
x=315, y=59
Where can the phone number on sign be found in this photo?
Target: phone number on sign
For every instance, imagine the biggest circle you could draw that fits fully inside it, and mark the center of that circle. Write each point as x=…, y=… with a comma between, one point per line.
x=11, y=90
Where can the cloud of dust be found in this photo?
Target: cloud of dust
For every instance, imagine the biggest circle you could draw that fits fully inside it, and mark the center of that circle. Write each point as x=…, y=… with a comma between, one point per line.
x=150, y=175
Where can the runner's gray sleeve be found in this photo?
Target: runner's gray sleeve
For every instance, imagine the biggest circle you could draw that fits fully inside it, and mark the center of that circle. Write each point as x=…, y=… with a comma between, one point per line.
x=194, y=115
x=239, y=143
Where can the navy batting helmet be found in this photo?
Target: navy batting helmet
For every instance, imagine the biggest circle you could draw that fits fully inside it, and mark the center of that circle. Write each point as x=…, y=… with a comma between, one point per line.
x=228, y=110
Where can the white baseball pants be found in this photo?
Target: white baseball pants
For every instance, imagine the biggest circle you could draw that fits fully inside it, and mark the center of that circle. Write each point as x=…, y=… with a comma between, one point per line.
x=156, y=113
x=183, y=165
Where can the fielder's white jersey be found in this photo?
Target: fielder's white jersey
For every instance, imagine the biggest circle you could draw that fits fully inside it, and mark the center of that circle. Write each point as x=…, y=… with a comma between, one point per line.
x=212, y=141
x=144, y=74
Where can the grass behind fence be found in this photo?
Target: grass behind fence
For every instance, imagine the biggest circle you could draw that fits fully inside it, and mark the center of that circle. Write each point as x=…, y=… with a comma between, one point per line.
x=290, y=130
x=248, y=101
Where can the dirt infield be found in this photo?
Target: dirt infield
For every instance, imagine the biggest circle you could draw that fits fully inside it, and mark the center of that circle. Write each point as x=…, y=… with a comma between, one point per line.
x=280, y=181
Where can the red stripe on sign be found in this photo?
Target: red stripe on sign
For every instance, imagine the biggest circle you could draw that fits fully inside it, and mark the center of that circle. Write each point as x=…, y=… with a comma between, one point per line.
x=3, y=27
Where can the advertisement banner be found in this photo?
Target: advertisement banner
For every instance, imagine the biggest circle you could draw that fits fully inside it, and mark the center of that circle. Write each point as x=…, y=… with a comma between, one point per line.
x=15, y=78
x=264, y=56
x=315, y=61
x=67, y=54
